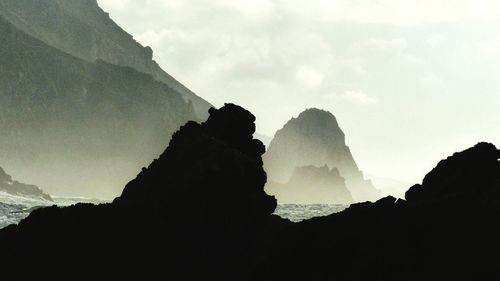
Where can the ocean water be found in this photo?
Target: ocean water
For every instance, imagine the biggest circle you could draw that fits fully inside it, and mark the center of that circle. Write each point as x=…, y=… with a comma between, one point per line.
x=15, y=208
x=298, y=212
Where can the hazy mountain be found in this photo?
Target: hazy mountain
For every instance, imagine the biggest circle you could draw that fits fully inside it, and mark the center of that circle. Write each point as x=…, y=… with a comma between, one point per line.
x=82, y=29
x=312, y=185
x=390, y=187
x=76, y=127
x=315, y=138
x=10, y=186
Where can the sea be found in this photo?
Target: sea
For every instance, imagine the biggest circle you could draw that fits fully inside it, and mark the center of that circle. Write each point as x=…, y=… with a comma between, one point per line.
x=15, y=208
x=299, y=212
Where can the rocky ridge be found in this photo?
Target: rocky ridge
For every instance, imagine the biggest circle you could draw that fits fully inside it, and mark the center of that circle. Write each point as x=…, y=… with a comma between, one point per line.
x=81, y=28
x=8, y=185
x=87, y=120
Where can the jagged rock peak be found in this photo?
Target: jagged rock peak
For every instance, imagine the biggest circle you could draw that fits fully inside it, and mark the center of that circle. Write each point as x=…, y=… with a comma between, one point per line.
x=315, y=138
x=318, y=123
x=470, y=172
x=319, y=173
x=218, y=160
x=235, y=125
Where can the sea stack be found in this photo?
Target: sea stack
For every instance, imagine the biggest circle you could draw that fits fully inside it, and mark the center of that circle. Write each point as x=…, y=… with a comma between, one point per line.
x=315, y=138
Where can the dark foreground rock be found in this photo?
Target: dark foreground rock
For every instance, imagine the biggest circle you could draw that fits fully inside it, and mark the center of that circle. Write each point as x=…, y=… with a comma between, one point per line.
x=199, y=212
x=447, y=230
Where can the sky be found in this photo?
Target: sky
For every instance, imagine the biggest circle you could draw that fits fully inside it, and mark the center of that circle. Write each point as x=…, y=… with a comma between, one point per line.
x=410, y=82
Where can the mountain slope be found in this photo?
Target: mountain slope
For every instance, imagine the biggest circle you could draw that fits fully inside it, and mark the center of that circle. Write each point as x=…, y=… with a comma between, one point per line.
x=315, y=138
x=82, y=29
x=95, y=124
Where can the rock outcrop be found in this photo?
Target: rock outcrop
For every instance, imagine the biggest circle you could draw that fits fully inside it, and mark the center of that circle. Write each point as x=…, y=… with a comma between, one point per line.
x=94, y=123
x=200, y=212
x=312, y=185
x=8, y=185
x=214, y=166
x=447, y=230
x=315, y=138
x=473, y=173
x=82, y=29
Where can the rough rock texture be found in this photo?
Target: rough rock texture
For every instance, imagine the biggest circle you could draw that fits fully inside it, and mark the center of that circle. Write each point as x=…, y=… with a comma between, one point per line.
x=312, y=185
x=82, y=29
x=315, y=138
x=7, y=184
x=96, y=124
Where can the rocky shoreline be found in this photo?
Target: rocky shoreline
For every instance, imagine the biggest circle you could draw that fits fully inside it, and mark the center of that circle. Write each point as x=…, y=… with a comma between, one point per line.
x=199, y=211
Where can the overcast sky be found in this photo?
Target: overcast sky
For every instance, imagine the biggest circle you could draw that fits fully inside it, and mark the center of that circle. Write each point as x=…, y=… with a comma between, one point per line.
x=409, y=81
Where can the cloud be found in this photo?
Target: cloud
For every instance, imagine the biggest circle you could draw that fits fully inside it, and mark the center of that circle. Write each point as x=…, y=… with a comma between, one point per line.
x=309, y=76
x=435, y=40
x=398, y=64
x=394, y=45
x=358, y=97
x=490, y=46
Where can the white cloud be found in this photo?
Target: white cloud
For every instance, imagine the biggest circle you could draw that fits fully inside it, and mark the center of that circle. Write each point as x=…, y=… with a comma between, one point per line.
x=358, y=97
x=392, y=46
x=490, y=46
x=278, y=57
x=396, y=12
x=435, y=40
x=309, y=76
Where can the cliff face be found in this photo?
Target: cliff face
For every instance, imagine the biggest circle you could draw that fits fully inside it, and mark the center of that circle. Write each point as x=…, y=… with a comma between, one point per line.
x=315, y=138
x=94, y=123
x=8, y=185
x=82, y=29
x=312, y=185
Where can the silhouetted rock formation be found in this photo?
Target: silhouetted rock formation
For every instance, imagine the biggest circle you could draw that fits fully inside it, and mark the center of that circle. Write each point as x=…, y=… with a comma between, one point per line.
x=16, y=188
x=95, y=124
x=448, y=230
x=82, y=29
x=200, y=212
x=215, y=167
x=315, y=138
x=312, y=185
x=474, y=172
